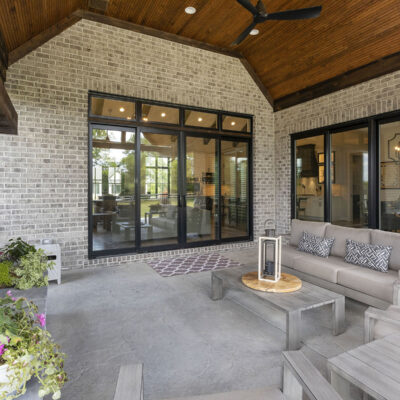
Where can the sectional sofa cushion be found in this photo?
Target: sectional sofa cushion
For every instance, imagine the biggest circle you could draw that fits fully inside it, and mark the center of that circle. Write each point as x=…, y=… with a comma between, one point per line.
x=368, y=281
x=298, y=227
x=317, y=245
x=326, y=268
x=388, y=239
x=341, y=234
x=372, y=256
x=289, y=254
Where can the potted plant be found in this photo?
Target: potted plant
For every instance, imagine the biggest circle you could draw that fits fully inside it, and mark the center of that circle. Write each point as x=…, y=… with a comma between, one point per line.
x=27, y=350
x=23, y=266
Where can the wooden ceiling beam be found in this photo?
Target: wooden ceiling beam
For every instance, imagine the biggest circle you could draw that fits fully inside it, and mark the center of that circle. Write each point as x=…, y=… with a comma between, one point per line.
x=8, y=115
x=98, y=5
x=257, y=80
x=356, y=76
x=43, y=37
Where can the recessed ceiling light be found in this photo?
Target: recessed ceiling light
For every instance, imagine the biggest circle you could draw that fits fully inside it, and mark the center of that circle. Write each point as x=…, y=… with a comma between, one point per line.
x=163, y=115
x=199, y=119
x=233, y=123
x=254, y=32
x=145, y=119
x=190, y=10
x=122, y=109
x=128, y=117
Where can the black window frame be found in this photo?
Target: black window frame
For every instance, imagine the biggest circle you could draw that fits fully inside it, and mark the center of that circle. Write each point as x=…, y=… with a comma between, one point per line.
x=372, y=122
x=182, y=132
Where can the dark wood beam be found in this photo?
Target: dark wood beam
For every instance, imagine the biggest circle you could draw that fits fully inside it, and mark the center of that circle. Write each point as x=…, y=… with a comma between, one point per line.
x=8, y=115
x=43, y=37
x=3, y=58
x=99, y=5
x=372, y=70
x=257, y=80
x=105, y=19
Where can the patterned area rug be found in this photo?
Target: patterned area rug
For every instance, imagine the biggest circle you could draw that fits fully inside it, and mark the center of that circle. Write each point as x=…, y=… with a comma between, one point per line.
x=194, y=263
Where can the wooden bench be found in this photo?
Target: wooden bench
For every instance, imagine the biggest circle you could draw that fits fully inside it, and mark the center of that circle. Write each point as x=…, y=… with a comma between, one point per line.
x=299, y=376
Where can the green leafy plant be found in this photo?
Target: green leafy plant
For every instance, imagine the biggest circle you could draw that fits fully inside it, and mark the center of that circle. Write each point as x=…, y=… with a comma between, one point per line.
x=27, y=349
x=15, y=249
x=31, y=270
x=5, y=277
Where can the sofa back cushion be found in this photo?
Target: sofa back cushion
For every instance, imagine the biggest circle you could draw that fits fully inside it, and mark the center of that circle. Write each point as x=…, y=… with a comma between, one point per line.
x=388, y=239
x=298, y=227
x=341, y=234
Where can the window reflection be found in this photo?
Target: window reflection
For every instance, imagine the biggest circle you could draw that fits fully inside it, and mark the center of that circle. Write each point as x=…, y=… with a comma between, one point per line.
x=310, y=175
x=113, y=189
x=234, y=189
x=113, y=108
x=162, y=114
x=390, y=176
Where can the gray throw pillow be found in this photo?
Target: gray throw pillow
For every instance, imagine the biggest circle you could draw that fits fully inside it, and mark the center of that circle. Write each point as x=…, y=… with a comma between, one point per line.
x=316, y=245
x=372, y=256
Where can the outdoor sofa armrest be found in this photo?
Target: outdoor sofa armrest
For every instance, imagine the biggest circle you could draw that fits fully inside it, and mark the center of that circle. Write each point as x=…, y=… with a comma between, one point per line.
x=371, y=316
x=300, y=376
x=396, y=292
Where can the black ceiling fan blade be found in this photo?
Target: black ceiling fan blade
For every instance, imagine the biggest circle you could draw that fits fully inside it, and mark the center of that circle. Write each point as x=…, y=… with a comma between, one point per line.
x=303, y=13
x=261, y=8
x=244, y=34
x=248, y=6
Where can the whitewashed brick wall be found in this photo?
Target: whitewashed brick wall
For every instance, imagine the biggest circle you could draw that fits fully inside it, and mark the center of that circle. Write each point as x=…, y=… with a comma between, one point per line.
x=369, y=98
x=43, y=170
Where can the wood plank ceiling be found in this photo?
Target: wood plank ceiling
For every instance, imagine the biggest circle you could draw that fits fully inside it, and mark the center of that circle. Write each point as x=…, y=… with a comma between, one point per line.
x=294, y=60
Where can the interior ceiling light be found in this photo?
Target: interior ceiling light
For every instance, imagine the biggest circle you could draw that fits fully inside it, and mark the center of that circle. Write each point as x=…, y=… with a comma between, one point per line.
x=128, y=118
x=199, y=119
x=190, y=10
x=145, y=119
x=163, y=114
x=122, y=109
x=254, y=32
x=233, y=123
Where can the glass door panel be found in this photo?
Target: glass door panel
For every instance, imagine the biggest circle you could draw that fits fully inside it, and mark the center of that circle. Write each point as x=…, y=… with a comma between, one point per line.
x=310, y=176
x=234, y=189
x=201, y=189
x=113, y=189
x=158, y=189
x=390, y=176
x=349, y=178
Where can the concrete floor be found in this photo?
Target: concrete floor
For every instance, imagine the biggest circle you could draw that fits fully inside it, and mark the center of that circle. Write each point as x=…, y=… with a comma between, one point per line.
x=188, y=343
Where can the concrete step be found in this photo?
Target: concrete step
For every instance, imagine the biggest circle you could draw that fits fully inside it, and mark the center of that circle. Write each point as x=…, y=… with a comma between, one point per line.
x=270, y=393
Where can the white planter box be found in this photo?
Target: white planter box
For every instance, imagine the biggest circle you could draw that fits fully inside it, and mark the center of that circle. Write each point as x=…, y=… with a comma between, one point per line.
x=53, y=252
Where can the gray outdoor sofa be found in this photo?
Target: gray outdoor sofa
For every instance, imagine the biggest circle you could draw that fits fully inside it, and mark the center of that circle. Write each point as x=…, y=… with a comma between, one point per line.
x=368, y=286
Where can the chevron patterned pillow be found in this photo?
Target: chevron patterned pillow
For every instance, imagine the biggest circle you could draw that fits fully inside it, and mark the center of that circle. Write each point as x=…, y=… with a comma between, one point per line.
x=316, y=245
x=371, y=256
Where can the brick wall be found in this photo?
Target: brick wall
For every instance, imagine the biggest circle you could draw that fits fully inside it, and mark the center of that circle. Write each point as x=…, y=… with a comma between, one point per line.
x=369, y=98
x=43, y=170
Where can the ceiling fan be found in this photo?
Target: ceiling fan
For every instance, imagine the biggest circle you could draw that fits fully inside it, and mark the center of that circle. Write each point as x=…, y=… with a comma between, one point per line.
x=260, y=15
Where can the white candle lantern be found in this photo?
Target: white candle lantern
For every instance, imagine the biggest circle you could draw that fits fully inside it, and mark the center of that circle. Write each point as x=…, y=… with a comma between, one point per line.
x=269, y=259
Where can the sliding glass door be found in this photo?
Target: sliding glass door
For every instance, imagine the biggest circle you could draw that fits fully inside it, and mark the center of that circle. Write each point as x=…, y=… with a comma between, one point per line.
x=389, y=168
x=310, y=178
x=349, y=178
x=201, y=186
x=113, y=177
x=234, y=189
x=155, y=189
x=159, y=212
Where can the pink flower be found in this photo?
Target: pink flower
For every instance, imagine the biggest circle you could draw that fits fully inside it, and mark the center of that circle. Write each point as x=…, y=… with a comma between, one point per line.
x=9, y=293
x=41, y=319
x=2, y=349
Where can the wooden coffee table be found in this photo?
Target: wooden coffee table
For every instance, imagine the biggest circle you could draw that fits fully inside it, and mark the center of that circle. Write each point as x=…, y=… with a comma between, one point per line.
x=373, y=367
x=293, y=304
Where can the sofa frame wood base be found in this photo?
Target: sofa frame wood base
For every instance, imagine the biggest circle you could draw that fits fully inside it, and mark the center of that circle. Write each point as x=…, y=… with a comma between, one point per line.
x=351, y=293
